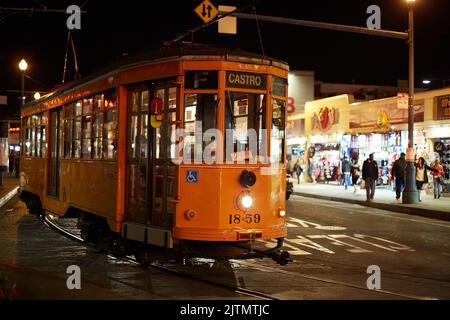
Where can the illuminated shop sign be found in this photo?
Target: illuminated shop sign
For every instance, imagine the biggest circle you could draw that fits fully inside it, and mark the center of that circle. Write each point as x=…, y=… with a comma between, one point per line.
x=245, y=80
x=443, y=107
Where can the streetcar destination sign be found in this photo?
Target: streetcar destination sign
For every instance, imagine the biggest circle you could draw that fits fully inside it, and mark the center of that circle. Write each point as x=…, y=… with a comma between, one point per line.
x=245, y=80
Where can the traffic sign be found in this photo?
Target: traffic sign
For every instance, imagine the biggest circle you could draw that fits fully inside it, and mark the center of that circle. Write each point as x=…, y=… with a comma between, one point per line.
x=206, y=11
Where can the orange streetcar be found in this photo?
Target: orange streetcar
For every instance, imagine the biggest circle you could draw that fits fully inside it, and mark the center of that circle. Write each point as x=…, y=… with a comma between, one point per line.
x=182, y=149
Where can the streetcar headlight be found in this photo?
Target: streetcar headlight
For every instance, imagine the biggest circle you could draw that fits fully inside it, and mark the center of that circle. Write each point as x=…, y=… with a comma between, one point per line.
x=281, y=213
x=247, y=201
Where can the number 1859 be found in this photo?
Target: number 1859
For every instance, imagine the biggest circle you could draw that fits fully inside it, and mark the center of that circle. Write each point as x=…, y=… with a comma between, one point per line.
x=244, y=218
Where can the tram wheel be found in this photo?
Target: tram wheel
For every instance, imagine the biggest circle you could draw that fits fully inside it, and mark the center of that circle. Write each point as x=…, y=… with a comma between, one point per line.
x=118, y=248
x=88, y=232
x=34, y=206
x=143, y=257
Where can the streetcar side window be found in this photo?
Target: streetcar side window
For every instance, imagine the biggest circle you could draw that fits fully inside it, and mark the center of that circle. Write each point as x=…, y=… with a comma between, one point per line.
x=110, y=125
x=98, y=126
x=245, y=115
x=90, y=127
x=68, y=114
x=34, y=135
x=86, y=149
x=277, y=131
x=76, y=135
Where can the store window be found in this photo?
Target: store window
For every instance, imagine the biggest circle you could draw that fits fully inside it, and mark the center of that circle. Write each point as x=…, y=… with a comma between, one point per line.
x=245, y=115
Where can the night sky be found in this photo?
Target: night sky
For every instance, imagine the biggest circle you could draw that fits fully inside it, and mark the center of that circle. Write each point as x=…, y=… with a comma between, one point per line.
x=112, y=28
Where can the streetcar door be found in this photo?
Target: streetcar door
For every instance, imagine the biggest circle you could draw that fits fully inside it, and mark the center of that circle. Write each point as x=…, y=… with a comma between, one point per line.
x=163, y=127
x=137, y=199
x=54, y=156
x=151, y=146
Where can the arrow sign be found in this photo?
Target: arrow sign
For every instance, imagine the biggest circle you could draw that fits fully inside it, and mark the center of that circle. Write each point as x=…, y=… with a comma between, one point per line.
x=206, y=11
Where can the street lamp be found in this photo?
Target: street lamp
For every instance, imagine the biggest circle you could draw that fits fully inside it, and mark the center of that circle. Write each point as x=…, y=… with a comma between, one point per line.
x=410, y=194
x=23, y=65
x=428, y=81
x=37, y=96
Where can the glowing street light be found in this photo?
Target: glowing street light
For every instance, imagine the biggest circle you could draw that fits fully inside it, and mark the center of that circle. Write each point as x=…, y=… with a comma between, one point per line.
x=426, y=81
x=23, y=66
x=37, y=96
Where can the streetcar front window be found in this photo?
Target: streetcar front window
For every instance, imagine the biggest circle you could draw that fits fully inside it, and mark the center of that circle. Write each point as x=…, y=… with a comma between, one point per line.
x=245, y=126
x=199, y=110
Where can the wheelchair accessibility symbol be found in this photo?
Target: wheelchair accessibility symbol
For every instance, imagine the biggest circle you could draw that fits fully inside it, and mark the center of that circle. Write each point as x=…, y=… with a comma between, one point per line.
x=192, y=176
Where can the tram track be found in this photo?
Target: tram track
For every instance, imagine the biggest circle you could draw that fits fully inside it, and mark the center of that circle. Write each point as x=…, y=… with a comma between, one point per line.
x=335, y=282
x=49, y=220
x=389, y=273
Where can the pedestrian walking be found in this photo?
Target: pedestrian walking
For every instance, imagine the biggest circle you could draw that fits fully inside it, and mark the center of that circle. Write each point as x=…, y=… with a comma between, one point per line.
x=289, y=168
x=12, y=159
x=346, y=170
x=398, y=171
x=370, y=176
x=437, y=178
x=422, y=174
x=298, y=170
x=355, y=173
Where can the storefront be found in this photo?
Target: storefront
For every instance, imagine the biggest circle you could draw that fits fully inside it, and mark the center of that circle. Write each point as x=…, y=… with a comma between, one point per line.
x=326, y=121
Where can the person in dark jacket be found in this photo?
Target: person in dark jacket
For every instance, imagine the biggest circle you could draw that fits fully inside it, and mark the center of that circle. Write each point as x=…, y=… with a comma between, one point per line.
x=298, y=170
x=346, y=169
x=398, y=171
x=370, y=176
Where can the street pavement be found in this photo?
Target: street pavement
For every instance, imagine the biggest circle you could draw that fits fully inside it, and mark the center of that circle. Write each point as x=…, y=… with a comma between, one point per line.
x=384, y=199
x=332, y=245
x=340, y=241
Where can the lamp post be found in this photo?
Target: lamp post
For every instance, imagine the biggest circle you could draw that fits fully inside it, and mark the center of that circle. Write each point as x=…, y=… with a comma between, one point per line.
x=23, y=65
x=410, y=194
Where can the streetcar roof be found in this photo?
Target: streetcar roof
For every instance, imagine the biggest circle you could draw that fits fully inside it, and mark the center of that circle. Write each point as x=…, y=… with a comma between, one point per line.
x=165, y=54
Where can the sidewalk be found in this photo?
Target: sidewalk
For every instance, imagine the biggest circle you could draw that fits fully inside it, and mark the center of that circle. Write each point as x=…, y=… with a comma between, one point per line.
x=9, y=188
x=384, y=199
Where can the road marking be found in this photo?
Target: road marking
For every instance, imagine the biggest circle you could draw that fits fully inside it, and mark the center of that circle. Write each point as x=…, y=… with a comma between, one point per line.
x=307, y=224
x=336, y=240
x=387, y=214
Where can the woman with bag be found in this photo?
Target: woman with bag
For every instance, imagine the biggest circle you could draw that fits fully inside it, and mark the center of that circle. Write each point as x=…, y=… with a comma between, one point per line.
x=422, y=174
x=355, y=173
x=437, y=176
